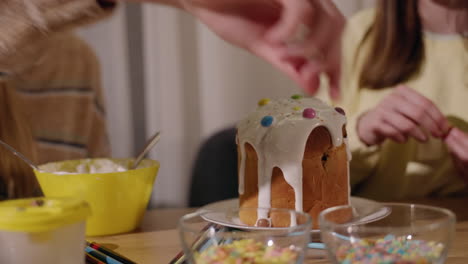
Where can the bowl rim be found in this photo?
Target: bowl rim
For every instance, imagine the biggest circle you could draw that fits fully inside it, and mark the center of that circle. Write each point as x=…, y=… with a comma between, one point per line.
x=450, y=218
x=151, y=163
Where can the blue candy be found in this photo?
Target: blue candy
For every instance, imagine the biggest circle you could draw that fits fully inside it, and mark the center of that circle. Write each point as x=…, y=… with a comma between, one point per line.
x=267, y=121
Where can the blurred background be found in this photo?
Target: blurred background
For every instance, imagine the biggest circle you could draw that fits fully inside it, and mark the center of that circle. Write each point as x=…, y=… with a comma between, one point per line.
x=162, y=70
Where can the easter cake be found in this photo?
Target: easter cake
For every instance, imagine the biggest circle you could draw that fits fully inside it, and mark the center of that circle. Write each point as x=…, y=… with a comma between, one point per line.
x=292, y=154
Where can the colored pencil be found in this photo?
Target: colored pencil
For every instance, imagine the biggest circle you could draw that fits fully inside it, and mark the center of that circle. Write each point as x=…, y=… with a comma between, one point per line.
x=110, y=253
x=92, y=260
x=101, y=256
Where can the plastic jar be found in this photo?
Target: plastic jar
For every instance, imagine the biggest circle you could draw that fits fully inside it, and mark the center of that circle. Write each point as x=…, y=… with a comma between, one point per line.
x=43, y=231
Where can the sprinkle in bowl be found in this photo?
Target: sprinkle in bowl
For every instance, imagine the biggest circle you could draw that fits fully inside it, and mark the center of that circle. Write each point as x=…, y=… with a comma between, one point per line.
x=205, y=241
x=409, y=234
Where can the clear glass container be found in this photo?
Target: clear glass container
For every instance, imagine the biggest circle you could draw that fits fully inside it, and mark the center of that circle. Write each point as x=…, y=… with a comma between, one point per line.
x=220, y=237
x=404, y=233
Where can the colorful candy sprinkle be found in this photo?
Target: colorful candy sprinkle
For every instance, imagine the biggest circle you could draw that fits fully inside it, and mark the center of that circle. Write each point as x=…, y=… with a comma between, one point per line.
x=267, y=121
x=340, y=110
x=390, y=250
x=297, y=108
x=309, y=113
x=296, y=97
x=247, y=251
x=263, y=102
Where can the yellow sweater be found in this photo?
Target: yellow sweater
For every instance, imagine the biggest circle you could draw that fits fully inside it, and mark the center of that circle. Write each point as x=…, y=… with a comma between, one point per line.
x=410, y=170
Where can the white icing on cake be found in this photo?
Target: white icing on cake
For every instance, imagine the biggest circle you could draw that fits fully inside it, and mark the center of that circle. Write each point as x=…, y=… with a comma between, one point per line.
x=282, y=144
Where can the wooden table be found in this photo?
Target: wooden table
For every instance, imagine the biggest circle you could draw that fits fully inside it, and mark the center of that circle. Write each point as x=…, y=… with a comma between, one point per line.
x=157, y=240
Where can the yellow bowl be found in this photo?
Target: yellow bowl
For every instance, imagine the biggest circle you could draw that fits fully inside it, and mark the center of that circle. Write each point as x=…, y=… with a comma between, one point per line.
x=118, y=199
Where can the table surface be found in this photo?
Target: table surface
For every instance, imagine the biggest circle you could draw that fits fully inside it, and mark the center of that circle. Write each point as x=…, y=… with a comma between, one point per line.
x=157, y=240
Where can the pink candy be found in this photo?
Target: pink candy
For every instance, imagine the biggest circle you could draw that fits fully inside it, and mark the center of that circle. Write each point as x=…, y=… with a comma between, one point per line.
x=309, y=113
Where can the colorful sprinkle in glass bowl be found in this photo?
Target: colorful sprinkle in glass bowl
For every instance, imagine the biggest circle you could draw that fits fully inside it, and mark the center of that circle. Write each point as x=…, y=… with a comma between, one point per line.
x=406, y=233
x=207, y=238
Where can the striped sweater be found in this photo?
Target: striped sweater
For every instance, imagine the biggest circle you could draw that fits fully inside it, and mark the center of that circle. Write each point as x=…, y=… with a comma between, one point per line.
x=54, y=75
x=63, y=101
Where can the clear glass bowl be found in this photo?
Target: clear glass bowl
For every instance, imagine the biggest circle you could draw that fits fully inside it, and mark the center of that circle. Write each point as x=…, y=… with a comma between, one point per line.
x=403, y=233
x=219, y=237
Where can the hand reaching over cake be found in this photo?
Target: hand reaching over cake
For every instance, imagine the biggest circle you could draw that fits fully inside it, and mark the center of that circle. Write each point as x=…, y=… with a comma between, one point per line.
x=292, y=154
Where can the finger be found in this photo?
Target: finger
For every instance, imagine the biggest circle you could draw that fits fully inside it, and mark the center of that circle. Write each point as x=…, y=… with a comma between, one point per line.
x=461, y=137
x=414, y=111
x=277, y=55
x=326, y=26
x=404, y=126
x=457, y=138
x=292, y=19
x=387, y=130
x=310, y=77
x=317, y=41
x=456, y=149
x=314, y=65
x=304, y=72
x=458, y=152
x=329, y=65
x=305, y=50
x=437, y=124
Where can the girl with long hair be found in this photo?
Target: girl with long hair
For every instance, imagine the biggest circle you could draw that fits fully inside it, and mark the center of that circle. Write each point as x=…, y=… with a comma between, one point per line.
x=405, y=86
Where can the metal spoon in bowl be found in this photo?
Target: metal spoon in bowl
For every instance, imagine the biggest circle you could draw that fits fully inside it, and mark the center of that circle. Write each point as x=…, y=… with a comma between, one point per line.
x=148, y=146
x=19, y=155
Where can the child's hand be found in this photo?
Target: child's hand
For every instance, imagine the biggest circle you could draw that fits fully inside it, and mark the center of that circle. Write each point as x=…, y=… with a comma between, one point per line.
x=402, y=114
x=457, y=143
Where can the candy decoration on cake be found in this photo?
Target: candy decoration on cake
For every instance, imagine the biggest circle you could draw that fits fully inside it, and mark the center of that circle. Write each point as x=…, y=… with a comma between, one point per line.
x=297, y=108
x=267, y=121
x=309, y=113
x=296, y=97
x=263, y=102
x=283, y=143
